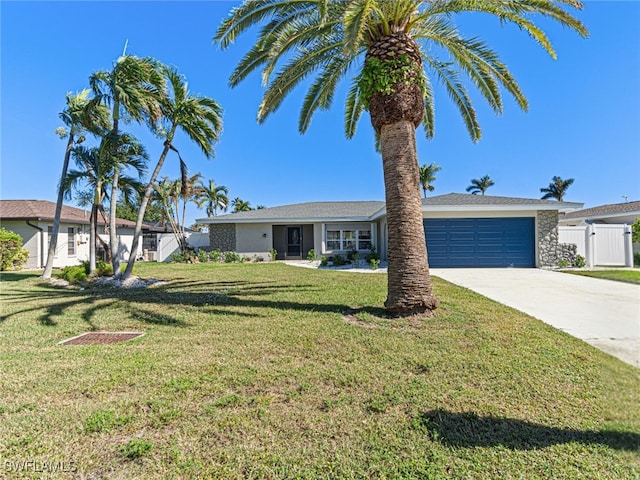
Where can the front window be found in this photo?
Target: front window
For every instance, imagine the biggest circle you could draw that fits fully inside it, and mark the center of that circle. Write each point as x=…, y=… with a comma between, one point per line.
x=345, y=240
x=349, y=239
x=333, y=240
x=364, y=239
x=71, y=241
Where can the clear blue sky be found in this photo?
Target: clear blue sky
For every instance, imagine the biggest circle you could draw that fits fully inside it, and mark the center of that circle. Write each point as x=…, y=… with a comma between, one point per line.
x=583, y=122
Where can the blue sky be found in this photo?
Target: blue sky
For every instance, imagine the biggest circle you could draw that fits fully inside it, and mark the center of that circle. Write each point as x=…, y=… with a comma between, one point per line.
x=583, y=121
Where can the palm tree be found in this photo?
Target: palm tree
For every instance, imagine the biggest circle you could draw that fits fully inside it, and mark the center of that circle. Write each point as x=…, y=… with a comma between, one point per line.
x=95, y=171
x=133, y=88
x=240, y=205
x=214, y=196
x=79, y=116
x=127, y=152
x=189, y=192
x=388, y=44
x=428, y=176
x=480, y=185
x=200, y=118
x=556, y=189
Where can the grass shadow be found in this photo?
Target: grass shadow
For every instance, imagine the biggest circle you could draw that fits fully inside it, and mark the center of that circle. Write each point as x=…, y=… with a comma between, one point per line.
x=217, y=297
x=470, y=430
x=17, y=277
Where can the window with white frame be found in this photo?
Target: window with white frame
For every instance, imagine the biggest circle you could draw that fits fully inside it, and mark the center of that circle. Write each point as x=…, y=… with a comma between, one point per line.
x=71, y=241
x=348, y=239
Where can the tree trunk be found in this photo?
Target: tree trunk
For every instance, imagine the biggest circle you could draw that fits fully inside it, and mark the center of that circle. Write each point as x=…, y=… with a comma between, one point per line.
x=395, y=117
x=113, y=234
x=409, y=289
x=93, y=238
x=53, y=241
x=143, y=208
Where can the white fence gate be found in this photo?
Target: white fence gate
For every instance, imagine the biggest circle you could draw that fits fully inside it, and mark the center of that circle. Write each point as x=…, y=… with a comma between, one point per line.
x=168, y=244
x=607, y=245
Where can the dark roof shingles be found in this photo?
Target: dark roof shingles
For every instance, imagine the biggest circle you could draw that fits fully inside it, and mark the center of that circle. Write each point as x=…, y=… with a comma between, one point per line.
x=604, y=210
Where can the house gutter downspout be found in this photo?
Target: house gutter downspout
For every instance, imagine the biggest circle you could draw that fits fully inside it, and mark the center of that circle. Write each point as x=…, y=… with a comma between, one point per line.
x=41, y=242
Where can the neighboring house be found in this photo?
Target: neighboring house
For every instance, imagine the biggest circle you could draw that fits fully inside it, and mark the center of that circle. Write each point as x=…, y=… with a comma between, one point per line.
x=602, y=234
x=462, y=230
x=33, y=221
x=625, y=213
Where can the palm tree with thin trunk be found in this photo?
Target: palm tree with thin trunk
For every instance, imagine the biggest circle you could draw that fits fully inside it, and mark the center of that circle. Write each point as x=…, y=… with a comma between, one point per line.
x=95, y=172
x=79, y=116
x=428, y=176
x=214, y=197
x=393, y=48
x=240, y=205
x=127, y=153
x=200, y=118
x=557, y=189
x=480, y=185
x=133, y=89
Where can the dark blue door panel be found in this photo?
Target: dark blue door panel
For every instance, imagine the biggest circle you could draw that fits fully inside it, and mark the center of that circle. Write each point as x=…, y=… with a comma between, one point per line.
x=480, y=242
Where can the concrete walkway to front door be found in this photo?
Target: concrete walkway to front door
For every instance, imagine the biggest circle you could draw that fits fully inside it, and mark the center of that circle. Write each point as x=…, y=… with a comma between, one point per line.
x=603, y=313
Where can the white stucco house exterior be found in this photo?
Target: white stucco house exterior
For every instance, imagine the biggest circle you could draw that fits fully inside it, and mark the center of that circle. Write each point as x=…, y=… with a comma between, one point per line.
x=33, y=221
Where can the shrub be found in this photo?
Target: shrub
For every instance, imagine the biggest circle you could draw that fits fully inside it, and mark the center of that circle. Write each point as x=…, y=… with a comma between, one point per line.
x=273, y=254
x=323, y=261
x=215, y=256
x=374, y=263
x=203, y=256
x=183, y=256
x=352, y=255
x=12, y=255
x=103, y=269
x=232, y=257
x=372, y=255
x=74, y=274
x=311, y=256
x=563, y=263
x=579, y=262
x=338, y=260
x=635, y=231
x=636, y=259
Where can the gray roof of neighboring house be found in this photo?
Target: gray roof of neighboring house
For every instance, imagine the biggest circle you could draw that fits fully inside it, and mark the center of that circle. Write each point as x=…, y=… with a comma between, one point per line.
x=603, y=211
x=371, y=210
x=316, y=211
x=44, y=210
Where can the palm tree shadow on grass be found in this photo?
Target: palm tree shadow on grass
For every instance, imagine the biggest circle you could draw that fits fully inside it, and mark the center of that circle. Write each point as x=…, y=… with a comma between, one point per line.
x=469, y=430
x=218, y=298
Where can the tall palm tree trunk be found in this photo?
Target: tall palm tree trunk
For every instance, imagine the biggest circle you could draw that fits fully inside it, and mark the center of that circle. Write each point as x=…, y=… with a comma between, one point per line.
x=409, y=287
x=143, y=208
x=53, y=241
x=395, y=117
x=93, y=237
x=113, y=234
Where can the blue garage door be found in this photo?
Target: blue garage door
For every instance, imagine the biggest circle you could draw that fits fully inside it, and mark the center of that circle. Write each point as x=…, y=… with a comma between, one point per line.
x=480, y=242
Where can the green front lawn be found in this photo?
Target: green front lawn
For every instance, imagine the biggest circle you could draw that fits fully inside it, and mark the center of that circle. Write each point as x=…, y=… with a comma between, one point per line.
x=627, y=276
x=253, y=371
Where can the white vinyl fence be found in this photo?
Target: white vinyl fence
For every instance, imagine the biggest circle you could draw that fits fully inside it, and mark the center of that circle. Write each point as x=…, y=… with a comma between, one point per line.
x=168, y=245
x=601, y=244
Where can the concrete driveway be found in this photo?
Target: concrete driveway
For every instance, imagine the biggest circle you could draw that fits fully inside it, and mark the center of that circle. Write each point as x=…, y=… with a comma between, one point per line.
x=603, y=313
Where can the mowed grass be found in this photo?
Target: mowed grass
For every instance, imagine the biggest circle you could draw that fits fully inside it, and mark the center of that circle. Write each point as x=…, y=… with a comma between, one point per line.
x=627, y=276
x=254, y=371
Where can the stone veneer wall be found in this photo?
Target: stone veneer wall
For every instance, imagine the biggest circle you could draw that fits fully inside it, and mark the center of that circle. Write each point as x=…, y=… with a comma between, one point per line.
x=569, y=252
x=548, y=238
x=222, y=237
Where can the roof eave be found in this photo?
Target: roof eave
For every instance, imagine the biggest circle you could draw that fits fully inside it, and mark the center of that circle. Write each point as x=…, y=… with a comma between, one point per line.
x=218, y=220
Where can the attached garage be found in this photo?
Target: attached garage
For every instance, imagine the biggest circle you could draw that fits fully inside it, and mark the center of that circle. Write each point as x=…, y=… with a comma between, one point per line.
x=481, y=242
